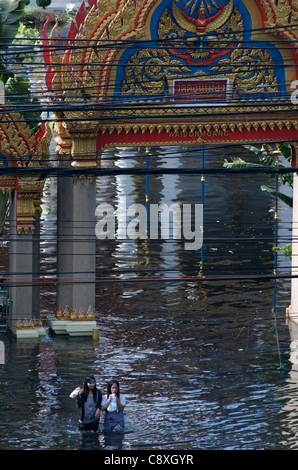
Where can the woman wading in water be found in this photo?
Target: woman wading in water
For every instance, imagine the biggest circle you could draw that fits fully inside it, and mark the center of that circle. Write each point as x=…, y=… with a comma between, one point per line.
x=113, y=404
x=89, y=400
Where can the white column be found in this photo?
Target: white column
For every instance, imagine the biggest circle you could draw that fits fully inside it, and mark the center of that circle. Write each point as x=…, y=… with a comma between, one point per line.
x=294, y=291
x=65, y=188
x=76, y=244
x=20, y=270
x=84, y=245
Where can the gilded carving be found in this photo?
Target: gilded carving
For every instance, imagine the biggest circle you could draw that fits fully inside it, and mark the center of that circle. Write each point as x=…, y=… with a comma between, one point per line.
x=194, y=34
x=204, y=128
x=20, y=148
x=72, y=315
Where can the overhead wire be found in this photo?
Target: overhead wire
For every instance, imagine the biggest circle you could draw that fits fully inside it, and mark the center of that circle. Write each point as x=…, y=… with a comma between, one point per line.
x=85, y=104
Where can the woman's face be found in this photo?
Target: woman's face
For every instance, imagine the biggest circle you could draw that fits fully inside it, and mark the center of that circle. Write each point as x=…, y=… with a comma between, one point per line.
x=114, y=389
x=91, y=384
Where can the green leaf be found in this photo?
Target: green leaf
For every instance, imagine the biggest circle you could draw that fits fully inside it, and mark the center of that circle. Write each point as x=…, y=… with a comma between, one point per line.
x=286, y=151
x=270, y=161
x=18, y=91
x=258, y=152
x=11, y=11
x=237, y=162
x=286, y=199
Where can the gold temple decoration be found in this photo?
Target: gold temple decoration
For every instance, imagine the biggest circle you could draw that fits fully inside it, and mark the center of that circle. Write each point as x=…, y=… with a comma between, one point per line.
x=22, y=149
x=24, y=325
x=151, y=71
x=72, y=314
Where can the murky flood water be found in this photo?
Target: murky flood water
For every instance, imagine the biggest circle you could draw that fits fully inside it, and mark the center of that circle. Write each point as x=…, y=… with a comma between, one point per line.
x=197, y=360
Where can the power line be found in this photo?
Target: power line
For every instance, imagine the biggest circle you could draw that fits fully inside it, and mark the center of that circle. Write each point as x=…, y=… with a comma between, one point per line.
x=72, y=280
x=71, y=172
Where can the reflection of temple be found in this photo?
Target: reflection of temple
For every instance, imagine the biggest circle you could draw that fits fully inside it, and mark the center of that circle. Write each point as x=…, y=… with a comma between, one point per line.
x=238, y=231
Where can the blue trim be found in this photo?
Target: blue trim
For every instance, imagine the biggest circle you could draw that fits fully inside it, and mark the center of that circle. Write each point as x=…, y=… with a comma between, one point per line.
x=247, y=25
x=4, y=159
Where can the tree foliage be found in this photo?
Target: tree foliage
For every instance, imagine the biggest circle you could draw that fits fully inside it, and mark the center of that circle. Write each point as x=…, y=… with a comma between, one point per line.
x=269, y=159
x=10, y=13
x=43, y=3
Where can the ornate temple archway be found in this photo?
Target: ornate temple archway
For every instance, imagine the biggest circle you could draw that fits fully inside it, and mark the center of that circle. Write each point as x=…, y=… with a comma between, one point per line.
x=161, y=72
x=176, y=72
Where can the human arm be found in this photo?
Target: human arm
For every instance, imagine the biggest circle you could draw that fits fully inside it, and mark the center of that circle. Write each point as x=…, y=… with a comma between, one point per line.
x=98, y=404
x=105, y=402
x=75, y=392
x=120, y=405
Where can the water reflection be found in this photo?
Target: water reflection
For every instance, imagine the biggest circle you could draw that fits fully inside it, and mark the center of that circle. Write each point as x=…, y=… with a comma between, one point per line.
x=197, y=360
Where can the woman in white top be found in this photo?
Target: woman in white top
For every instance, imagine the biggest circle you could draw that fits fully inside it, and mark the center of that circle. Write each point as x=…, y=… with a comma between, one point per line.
x=113, y=404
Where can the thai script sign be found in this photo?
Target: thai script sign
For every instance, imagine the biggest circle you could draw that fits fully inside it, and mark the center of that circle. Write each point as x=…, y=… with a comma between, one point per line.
x=210, y=92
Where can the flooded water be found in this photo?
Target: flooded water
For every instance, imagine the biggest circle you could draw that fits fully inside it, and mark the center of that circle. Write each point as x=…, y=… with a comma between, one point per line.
x=197, y=360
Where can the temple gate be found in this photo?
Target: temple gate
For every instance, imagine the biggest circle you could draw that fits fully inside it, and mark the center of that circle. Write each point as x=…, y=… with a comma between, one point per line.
x=162, y=72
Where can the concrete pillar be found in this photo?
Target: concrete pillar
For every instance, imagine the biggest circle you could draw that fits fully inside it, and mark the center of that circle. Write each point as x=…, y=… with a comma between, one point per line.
x=294, y=290
x=24, y=261
x=84, y=244
x=76, y=243
x=76, y=200
x=20, y=270
x=36, y=268
x=65, y=188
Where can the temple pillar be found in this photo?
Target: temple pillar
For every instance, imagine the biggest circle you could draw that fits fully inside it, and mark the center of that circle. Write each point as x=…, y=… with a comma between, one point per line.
x=24, y=268
x=64, y=239
x=76, y=247
x=84, y=244
x=294, y=289
x=76, y=244
x=293, y=310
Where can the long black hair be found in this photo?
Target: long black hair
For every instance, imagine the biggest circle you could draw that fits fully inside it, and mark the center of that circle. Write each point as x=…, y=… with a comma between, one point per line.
x=109, y=386
x=88, y=379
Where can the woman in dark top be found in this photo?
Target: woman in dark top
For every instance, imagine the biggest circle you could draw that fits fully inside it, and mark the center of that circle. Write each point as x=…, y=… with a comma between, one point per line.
x=89, y=400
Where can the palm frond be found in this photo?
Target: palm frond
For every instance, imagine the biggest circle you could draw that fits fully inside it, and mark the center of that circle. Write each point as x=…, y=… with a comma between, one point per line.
x=283, y=197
